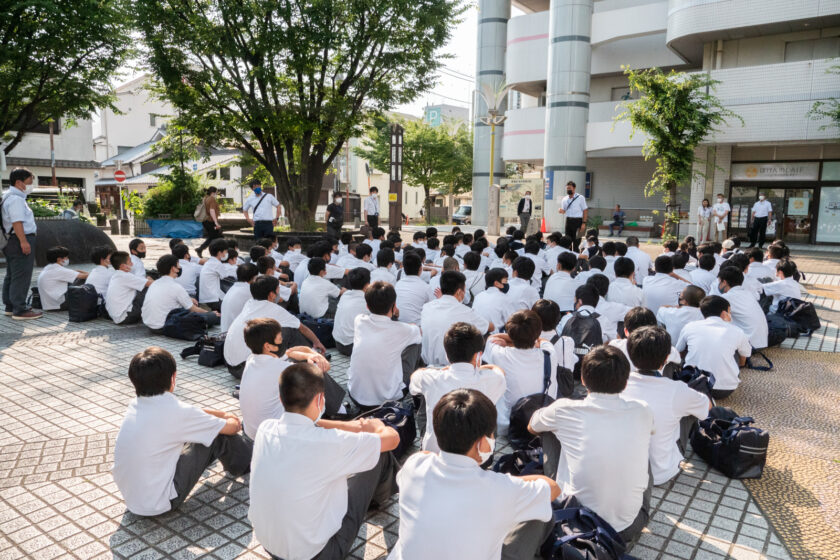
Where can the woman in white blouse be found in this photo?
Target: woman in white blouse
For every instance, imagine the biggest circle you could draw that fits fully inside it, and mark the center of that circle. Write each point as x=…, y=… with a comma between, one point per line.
x=704, y=222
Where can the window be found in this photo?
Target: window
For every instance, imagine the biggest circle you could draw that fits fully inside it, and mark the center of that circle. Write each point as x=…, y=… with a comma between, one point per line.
x=812, y=49
x=620, y=94
x=416, y=198
x=152, y=119
x=211, y=174
x=224, y=173
x=123, y=149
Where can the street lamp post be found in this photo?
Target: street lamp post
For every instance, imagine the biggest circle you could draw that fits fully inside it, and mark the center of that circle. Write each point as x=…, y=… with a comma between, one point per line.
x=494, y=98
x=492, y=120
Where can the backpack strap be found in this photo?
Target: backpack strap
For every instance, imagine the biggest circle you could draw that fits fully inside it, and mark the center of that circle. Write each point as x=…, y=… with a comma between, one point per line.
x=752, y=365
x=555, y=338
x=546, y=371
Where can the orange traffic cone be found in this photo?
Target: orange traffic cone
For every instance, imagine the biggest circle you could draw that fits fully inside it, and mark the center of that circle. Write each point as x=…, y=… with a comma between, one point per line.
x=542, y=227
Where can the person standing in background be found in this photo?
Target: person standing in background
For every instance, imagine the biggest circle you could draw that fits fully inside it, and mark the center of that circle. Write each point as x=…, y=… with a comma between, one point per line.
x=720, y=211
x=762, y=212
x=18, y=223
x=371, y=209
x=704, y=221
x=212, y=228
x=524, y=210
x=335, y=216
x=574, y=207
x=264, y=219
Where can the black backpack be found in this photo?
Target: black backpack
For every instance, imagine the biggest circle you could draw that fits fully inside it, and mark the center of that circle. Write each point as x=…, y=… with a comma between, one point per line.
x=585, y=330
x=565, y=376
x=226, y=283
x=700, y=380
x=803, y=313
x=581, y=534
x=399, y=417
x=322, y=328
x=524, y=408
x=35, y=299
x=209, y=349
x=185, y=325
x=730, y=444
x=82, y=303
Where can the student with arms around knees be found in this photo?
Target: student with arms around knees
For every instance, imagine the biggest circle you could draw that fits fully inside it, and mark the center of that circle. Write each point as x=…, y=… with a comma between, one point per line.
x=785, y=285
x=190, y=269
x=412, y=292
x=746, y=312
x=351, y=305
x=522, y=294
x=164, y=446
x=137, y=249
x=238, y=294
x=319, y=296
x=311, y=503
x=165, y=295
x=598, y=447
x=209, y=280
x=126, y=290
x=102, y=270
x=469, y=512
x=55, y=277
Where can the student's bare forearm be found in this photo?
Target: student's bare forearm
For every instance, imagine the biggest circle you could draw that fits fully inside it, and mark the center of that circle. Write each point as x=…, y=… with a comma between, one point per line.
x=308, y=334
x=18, y=227
x=555, y=488
x=350, y=426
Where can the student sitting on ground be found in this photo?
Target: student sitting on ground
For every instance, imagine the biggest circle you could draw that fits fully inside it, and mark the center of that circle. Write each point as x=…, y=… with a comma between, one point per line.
x=190, y=269
x=472, y=513
x=680, y=261
x=285, y=290
x=711, y=345
x=351, y=305
x=688, y=310
x=294, y=255
x=663, y=288
x=322, y=250
x=611, y=313
x=432, y=249
x=522, y=294
x=311, y=503
x=165, y=295
x=746, y=311
x=561, y=287
x=385, y=270
x=137, y=249
x=785, y=286
x=102, y=270
x=597, y=448
x=375, y=239
x=344, y=243
x=126, y=290
x=493, y=303
x=238, y=294
x=669, y=400
x=259, y=393
x=610, y=257
x=209, y=280
x=521, y=353
x=439, y=315
x=264, y=304
x=564, y=346
x=164, y=446
x=412, y=292
x=541, y=267
x=319, y=296
x=385, y=352
x=474, y=276
x=624, y=289
x=637, y=318
x=704, y=276
x=449, y=263
x=55, y=278
x=775, y=253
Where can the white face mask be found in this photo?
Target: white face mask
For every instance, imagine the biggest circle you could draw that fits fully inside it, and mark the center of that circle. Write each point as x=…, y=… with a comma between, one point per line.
x=720, y=199
x=761, y=197
x=296, y=250
x=64, y=262
x=223, y=257
x=338, y=200
x=485, y=455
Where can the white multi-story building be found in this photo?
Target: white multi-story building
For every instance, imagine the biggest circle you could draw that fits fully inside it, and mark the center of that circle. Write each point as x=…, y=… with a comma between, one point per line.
x=564, y=59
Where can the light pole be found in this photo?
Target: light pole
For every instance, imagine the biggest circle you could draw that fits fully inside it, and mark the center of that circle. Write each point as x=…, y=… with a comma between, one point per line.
x=493, y=97
x=492, y=119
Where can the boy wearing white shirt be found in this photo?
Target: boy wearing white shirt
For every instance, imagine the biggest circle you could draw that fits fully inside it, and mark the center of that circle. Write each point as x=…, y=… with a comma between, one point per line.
x=564, y=346
x=362, y=258
x=663, y=288
x=319, y=296
x=432, y=249
x=775, y=253
x=351, y=305
x=322, y=250
x=523, y=295
x=493, y=303
x=637, y=318
x=102, y=270
x=312, y=502
x=55, y=278
x=720, y=213
x=209, y=279
x=785, y=286
x=237, y=295
x=285, y=290
x=639, y=258
x=610, y=257
x=716, y=331
x=385, y=352
x=746, y=312
x=474, y=276
x=669, y=400
x=384, y=271
x=472, y=513
x=190, y=269
x=137, y=248
x=293, y=254
x=561, y=287
x=165, y=295
x=412, y=292
x=687, y=311
x=611, y=313
x=124, y=298
x=375, y=238
x=164, y=446
x=704, y=276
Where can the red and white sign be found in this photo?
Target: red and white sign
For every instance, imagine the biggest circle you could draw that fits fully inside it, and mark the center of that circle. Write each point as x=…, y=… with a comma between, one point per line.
x=119, y=175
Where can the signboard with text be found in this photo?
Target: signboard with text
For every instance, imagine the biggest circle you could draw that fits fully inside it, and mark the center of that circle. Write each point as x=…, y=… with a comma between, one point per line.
x=512, y=191
x=776, y=171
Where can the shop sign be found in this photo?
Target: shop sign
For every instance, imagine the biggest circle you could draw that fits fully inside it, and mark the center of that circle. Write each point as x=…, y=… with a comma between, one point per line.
x=776, y=171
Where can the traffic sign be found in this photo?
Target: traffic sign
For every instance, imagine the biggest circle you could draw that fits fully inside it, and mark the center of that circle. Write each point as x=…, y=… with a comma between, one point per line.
x=119, y=175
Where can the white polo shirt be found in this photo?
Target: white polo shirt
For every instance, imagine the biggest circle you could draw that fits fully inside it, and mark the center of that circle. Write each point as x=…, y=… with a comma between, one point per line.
x=609, y=270
x=302, y=273
x=762, y=208
x=137, y=267
x=259, y=391
x=573, y=205
x=675, y=318
x=412, y=295
x=604, y=456
x=15, y=209
x=748, y=315
x=451, y=508
x=434, y=383
x=436, y=318
x=610, y=314
x=494, y=306
x=711, y=345
x=315, y=294
x=235, y=299
x=189, y=275
x=120, y=295
x=474, y=285
x=669, y=401
x=704, y=279
x=564, y=349
x=294, y=257
x=760, y=271
x=374, y=248
x=209, y=281
x=372, y=205
x=164, y=295
x=351, y=262
x=787, y=288
x=623, y=291
x=265, y=210
x=236, y=351
x=642, y=262
x=719, y=208
x=375, y=374
x=99, y=277
x=522, y=294
x=661, y=289
x=381, y=274
x=350, y=305
x=149, y=444
x=621, y=343
x=298, y=499
x=52, y=285
x=278, y=257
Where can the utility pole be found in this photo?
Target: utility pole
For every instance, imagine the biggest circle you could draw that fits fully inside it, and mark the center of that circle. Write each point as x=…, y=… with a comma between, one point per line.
x=395, y=190
x=52, y=156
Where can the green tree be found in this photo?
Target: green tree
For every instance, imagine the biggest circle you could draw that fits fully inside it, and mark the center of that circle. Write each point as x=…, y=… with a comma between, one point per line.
x=828, y=109
x=435, y=158
x=290, y=82
x=57, y=59
x=676, y=111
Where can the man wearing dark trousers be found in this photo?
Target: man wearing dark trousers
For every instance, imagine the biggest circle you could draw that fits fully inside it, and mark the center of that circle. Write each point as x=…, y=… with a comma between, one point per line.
x=335, y=216
x=574, y=207
x=371, y=208
x=18, y=225
x=266, y=211
x=762, y=211
x=524, y=211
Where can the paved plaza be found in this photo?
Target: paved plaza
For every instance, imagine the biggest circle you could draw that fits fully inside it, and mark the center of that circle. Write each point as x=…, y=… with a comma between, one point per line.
x=64, y=388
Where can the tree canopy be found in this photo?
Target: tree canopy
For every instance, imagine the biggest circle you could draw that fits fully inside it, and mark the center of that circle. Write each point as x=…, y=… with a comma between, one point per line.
x=829, y=109
x=57, y=58
x=290, y=82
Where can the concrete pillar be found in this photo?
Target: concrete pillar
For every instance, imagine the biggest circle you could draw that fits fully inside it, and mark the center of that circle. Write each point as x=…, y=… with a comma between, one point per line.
x=698, y=188
x=723, y=166
x=567, y=100
x=493, y=16
x=493, y=211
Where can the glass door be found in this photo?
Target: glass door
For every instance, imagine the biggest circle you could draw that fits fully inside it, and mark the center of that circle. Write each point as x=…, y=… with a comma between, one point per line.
x=741, y=200
x=776, y=197
x=797, y=215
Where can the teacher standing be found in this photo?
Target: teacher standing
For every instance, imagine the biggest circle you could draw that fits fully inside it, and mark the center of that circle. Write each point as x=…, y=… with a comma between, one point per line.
x=211, y=225
x=18, y=223
x=266, y=211
x=762, y=211
x=704, y=222
x=523, y=210
x=371, y=208
x=335, y=216
x=574, y=207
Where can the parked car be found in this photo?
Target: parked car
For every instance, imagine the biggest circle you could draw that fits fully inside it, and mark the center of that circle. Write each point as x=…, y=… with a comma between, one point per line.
x=463, y=215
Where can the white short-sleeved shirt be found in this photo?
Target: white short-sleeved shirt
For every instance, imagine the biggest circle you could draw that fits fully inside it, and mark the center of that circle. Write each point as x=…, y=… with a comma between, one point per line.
x=675, y=318
x=235, y=299
x=573, y=205
x=522, y=294
x=375, y=374
x=236, y=351
x=315, y=296
x=564, y=348
x=412, y=295
x=560, y=289
x=748, y=316
x=372, y=205
x=609, y=270
x=604, y=456
x=661, y=289
x=704, y=212
x=642, y=262
x=712, y=344
x=760, y=271
x=153, y=433
x=164, y=295
x=120, y=295
x=621, y=343
x=259, y=391
x=209, y=281
x=351, y=305
x=623, y=291
x=380, y=274
x=374, y=248
x=302, y=273
x=298, y=489
x=467, y=510
x=137, y=266
x=434, y=383
x=278, y=257
x=294, y=257
x=99, y=277
x=189, y=275
x=494, y=306
x=265, y=211
x=719, y=208
x=52, y=285
x=436, y=318
x=610, y=313
x=787, y=288
x=762, y=208
x=703, y=279
x=474, y=285
x=669, y=401
x=352, y=262
x=15, y=209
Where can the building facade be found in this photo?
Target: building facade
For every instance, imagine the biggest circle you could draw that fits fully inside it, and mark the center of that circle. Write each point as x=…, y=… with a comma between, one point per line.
x=564, y=59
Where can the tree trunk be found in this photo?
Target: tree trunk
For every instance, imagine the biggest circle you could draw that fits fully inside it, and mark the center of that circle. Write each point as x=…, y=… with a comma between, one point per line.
x=428, y=204
x=672, y=216
x=299, y=196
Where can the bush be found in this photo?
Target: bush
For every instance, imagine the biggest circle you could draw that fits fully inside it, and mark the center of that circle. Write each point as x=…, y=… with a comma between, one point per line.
x=173, y=196
x=41, y=208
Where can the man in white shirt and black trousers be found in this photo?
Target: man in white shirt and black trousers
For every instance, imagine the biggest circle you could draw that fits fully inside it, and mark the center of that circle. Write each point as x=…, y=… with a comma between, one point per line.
x=18, y=224
x=762, y=212
x=524, y=210
x=574, y=207
x=371, y=208
x=266, y=211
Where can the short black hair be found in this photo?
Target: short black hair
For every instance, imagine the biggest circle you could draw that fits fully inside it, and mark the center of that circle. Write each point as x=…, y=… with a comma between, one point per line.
x=363, y=250
x=567, y=261
x=776, y=251
x=175, y=242
x=671, y=245
x=19, y=174
x=99, y=253
x=292, y=241
x=548, y=312
x=462, y=417
x=566, y=242
x=419, y=235
x=787, y=266
x=451, y=281
x=256, y=252
x=587, y=295
x=713, y=306
x=757, y=254
x=412, y=264
x=55, y=253
x=165, y=263
x=380, y=298
x=511, y=255
x=346, y=238
x=262, y=286
x=639, y=317
x=692, y=295
x=385, y=257
x=524, y=268
x=151, y=371
x=601, y=284
x=180, y=251
x=609, y=248
x=265, y=243
x=378, y=232
x=431, y=232
x=358, y=278
x=739, y=260
x=598, y=262
x=264, y=263
x=524, y=328
x=461, y=342
x=119, y=258
x=494, y=275
x=319, y=249
x=605, y=369
x=245, y=272
x=532, y=247
x=299, y=384
x=260, y=331
x=649, y=347
x=472, y=260
x=218, y=246
x=632, y=241
x=316, y=265
x=732, y=275
x=433, y=243
x=663, y=264
x=620, y=248
x=134, y=243
x=232, y=255
x=706, y=262
x=680, y=259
